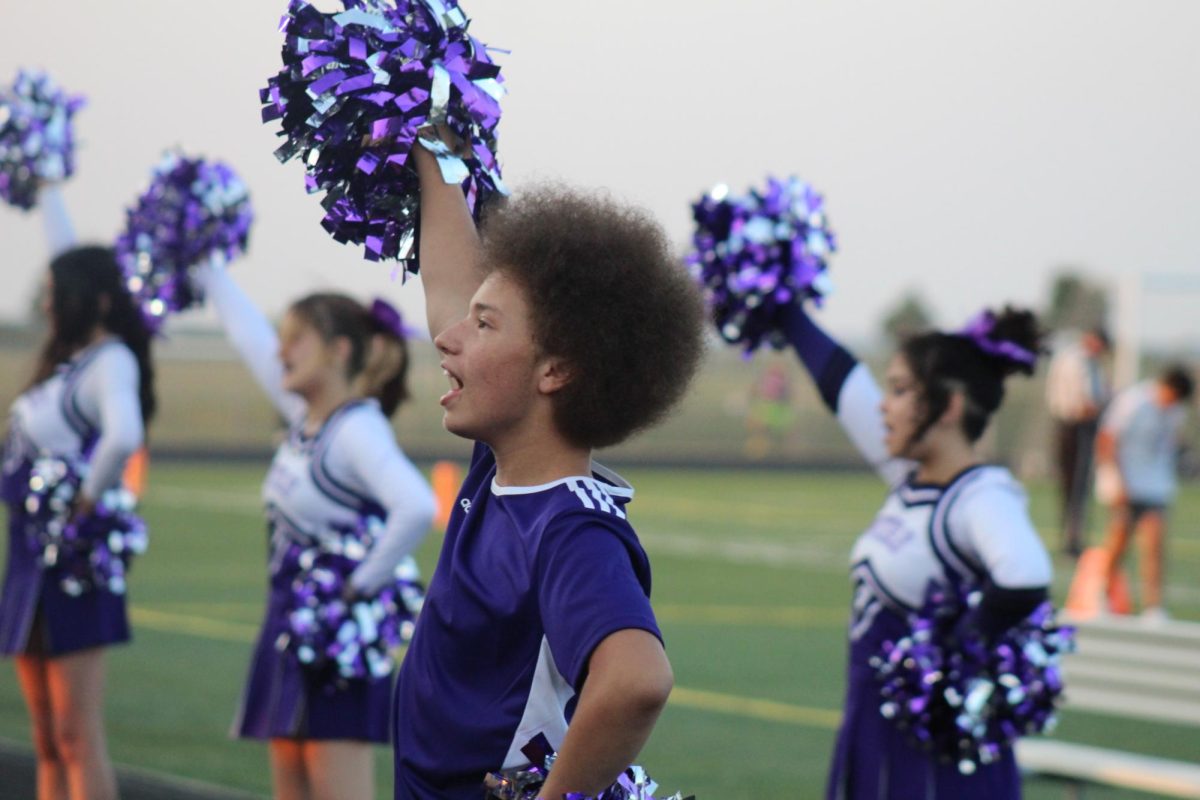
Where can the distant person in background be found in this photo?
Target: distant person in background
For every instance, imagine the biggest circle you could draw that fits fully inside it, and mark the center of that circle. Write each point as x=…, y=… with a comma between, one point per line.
x=771, y=416
x=1136, y=453
x=1076, y=391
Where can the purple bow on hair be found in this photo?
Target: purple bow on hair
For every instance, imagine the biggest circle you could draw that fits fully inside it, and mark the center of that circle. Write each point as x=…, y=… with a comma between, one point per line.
x=979, y=331
x=388, y=317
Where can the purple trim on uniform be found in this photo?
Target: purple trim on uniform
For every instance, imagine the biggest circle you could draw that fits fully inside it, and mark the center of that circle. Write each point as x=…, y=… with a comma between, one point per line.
x=325, y=482
x=826, y=360
x=956, y=563
x=70, y=400
x=867, y=572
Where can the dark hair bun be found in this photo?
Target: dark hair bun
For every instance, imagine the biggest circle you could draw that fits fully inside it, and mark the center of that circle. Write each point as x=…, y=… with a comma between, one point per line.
x=1017, y=340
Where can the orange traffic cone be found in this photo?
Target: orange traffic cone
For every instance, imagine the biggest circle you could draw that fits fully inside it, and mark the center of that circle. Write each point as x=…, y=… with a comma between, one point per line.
x=136, y=468
x=446, y=478
x=1087, y=596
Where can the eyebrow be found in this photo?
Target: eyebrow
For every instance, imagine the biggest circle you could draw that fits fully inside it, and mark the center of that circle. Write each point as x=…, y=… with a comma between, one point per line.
x=477, y=307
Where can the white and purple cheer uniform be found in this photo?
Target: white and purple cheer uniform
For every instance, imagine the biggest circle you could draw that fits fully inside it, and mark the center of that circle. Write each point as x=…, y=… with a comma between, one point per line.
x=530, y=580
x=318, y=484
x=974, y=530
x=87, y=412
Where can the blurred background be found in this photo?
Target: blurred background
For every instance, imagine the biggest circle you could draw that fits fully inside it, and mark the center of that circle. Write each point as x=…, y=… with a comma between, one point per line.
x=1026, y=152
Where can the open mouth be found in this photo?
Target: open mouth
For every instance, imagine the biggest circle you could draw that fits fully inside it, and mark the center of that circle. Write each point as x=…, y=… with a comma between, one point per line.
x=456, y=386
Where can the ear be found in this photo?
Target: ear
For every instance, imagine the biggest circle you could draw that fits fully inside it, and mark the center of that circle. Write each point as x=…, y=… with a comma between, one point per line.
x=552, y=375
x=341, y=349
x=955, y=409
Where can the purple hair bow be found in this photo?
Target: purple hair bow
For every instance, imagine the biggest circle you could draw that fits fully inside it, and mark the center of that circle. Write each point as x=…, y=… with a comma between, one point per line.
x=388, y=317
x=979, y=331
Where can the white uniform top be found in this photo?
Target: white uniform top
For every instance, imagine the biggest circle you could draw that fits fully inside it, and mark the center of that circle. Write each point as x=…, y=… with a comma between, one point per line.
x=351, y=466
x=1147, y=438
x=976, y=528
x=87, y=410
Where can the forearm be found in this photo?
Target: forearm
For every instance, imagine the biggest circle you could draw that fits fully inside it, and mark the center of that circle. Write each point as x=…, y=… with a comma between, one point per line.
x=825, y=359
x=56, y=220
x=621, y=701
x=449, y=254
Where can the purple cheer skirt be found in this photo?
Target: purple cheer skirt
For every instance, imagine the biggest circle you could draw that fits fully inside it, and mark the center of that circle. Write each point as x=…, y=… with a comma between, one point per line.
x=37, y=618
x=874, y=759
x=283, y=699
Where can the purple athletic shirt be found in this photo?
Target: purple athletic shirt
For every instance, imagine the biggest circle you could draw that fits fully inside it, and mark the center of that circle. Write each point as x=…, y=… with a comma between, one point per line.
x=529, y=582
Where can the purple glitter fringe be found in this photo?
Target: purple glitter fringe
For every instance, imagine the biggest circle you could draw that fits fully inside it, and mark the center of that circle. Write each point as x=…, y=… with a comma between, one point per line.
x=93, y=553
x=965, y=698
x=193, y=212
x=756, y=254
x=37, y=142
x=360, y=88
x=526, y=783
x=348, y=640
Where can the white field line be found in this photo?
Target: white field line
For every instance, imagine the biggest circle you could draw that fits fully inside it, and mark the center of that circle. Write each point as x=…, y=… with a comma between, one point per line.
x=825, y=554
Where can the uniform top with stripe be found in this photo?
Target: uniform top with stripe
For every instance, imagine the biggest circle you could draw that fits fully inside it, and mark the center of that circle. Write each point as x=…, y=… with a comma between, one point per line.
x=974, y=529
x=351, y=466
x=530, y=580
x=88, y=410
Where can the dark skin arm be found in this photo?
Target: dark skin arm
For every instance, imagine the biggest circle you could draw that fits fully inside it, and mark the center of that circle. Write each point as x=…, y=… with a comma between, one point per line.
x=629, y=680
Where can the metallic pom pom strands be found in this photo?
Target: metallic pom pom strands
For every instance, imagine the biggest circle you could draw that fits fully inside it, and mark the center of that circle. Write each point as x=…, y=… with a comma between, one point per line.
x=92, y=553
x=966, y=698
x=37, y=142
x=526, y=783
x=755, y=254
x=339, y=637
x=360, y=88
x=194, y=212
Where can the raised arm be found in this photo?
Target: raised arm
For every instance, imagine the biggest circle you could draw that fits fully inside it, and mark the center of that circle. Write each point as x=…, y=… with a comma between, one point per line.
x=60, y=233
x=108, y=395
x=449, y=246
x=252, y=336
x=847, y=389
x=366, y=451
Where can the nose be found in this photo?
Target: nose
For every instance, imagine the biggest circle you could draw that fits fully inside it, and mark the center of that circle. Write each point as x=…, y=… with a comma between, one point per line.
x=449, y=341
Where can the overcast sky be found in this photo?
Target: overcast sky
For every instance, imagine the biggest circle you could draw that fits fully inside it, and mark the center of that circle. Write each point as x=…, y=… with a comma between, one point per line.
x=965, y=148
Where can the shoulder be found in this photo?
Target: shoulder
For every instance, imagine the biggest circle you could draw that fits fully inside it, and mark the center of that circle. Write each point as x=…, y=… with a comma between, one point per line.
x=364, y=419
x=983, y=486
x=113, y=360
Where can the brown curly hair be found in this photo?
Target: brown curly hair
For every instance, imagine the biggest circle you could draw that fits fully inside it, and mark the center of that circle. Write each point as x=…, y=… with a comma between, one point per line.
x=608, y=298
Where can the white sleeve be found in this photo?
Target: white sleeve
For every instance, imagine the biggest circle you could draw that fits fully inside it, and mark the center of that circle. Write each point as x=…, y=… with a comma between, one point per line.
x=108, y=396
x=859, y=414
x=992, y=524
x=252, y=336
x=370, y=462
x=60, y=233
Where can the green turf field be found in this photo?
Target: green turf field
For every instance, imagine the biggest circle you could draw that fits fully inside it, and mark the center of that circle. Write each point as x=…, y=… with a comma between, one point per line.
x=750, y=587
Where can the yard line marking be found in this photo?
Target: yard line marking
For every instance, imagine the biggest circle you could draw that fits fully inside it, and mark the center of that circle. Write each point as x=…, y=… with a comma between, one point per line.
x=204, y=499
x=755, y=708
x=188, y=625
x=754, y=616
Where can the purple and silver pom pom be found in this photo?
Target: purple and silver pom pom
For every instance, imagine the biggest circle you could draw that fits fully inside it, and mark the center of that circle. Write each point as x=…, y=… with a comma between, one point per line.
x=194, y=212
x=355, y=639
x=966, y=698
x=526, y=783
x=86, y=554
x=37, y=142
x=757, y=254
x=360, y=88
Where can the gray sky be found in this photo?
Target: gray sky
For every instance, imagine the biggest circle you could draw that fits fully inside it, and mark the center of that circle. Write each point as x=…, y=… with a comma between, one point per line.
x=964, y=148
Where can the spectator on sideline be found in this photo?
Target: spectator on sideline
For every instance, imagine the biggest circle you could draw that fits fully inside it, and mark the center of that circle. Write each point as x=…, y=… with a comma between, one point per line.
x=1076, y=391
x=1136, y=453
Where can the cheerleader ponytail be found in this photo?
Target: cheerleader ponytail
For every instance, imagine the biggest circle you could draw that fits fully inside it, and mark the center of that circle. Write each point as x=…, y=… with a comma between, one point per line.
x=385, y=374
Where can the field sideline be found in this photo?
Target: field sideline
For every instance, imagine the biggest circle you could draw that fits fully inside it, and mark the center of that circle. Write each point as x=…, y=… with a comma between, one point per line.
x=750, y=588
